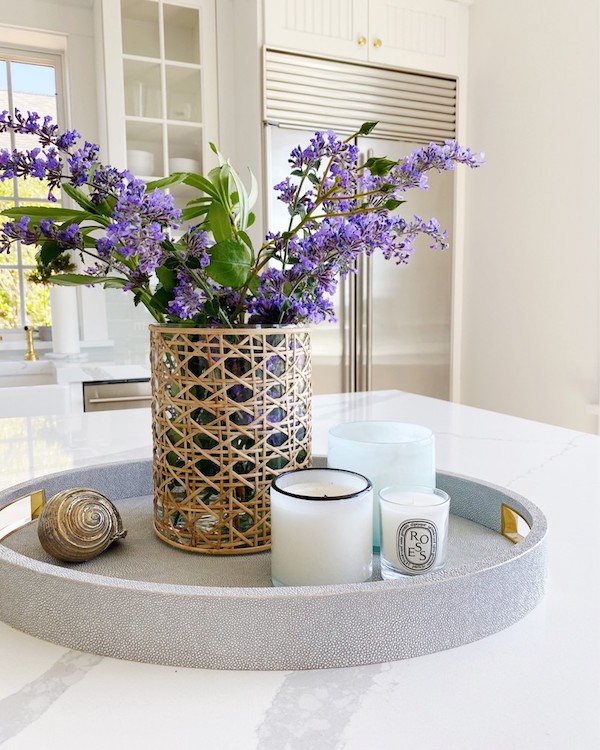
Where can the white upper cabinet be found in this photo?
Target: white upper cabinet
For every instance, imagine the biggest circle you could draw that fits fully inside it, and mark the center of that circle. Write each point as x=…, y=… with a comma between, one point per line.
x=417, y=34
x=161, y=92
x=332, y=28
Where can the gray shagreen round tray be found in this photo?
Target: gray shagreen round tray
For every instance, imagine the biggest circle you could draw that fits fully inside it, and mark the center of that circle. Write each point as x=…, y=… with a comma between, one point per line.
x=145, y=601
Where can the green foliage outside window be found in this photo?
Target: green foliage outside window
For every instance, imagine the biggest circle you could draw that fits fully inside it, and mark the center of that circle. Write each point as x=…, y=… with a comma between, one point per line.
x=37, y=296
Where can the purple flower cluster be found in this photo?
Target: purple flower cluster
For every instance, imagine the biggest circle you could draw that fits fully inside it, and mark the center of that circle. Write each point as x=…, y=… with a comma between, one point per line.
x=342, y=210
x=136, y=225
x=211, y=274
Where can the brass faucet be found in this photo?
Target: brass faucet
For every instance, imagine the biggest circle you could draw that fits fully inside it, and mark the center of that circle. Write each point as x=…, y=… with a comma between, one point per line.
x=31, y=356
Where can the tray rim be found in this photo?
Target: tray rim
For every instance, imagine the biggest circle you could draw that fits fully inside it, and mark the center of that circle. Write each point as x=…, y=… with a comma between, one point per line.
x=536, y=535
x=270, y=628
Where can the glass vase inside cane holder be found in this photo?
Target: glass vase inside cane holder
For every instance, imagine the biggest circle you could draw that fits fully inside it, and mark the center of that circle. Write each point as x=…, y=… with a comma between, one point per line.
x=231, y=410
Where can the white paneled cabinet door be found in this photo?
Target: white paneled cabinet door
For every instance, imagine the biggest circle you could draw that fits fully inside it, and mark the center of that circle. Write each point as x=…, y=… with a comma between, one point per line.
x=331, y=28
x=160, y=72
x=421, y=35
x=416, y=34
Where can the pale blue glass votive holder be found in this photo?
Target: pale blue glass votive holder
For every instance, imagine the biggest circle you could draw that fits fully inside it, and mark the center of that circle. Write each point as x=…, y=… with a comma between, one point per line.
x=388, y=453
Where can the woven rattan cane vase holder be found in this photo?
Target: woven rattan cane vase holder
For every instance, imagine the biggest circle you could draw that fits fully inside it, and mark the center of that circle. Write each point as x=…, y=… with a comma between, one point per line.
x=231, y=409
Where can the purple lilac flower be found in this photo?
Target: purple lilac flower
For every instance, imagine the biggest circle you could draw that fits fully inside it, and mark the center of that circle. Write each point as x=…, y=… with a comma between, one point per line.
x=18, y=231
x=82, y=162
x=341, y=211
x=196, y=242
x=287, y=190
x=187, y=299
x=69, y=238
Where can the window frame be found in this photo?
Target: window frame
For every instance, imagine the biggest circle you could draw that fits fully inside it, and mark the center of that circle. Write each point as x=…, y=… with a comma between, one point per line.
x=12, y=53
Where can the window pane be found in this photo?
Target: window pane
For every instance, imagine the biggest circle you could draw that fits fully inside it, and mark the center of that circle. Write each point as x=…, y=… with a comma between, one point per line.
x=9, y=259
x=30, y=78
x=37, y=303
x=34, y=90
x=3, y=97
x=28, y=253
x=7, y=191
x=9, y=299
x=32, y=188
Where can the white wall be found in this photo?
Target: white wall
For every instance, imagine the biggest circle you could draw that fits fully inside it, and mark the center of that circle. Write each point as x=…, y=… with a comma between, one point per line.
x=531, y=318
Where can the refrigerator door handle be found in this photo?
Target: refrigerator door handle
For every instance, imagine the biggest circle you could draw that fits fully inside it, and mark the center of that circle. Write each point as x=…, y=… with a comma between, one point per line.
x=350, y=334
x=368, y=349
x=366, y=323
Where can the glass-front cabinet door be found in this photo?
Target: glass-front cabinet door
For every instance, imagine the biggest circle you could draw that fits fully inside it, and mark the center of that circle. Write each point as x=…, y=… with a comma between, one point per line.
x=160, y=71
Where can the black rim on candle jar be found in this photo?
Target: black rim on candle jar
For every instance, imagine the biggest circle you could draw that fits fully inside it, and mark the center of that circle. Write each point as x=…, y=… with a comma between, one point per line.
x=356, y=493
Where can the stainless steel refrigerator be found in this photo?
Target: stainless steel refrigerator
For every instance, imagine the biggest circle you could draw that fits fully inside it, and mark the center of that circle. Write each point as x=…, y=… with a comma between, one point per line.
x=393, y=322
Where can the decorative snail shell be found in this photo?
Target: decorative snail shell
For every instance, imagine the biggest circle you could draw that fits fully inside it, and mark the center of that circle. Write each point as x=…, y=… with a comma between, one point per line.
x=78, y=524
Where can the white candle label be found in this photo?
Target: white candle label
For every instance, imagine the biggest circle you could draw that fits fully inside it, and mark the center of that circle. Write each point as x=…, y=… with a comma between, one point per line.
x=416, y=543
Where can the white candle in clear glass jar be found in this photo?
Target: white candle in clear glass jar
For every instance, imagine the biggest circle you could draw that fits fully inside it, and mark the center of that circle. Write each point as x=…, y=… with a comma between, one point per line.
x=414, y=530
x=321, y=527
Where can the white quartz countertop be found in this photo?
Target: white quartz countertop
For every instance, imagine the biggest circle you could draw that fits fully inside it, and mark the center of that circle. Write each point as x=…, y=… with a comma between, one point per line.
x=65, y=371
x=535, y=685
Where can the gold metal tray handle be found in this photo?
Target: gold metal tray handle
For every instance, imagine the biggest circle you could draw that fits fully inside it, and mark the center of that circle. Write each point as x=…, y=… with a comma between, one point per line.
x=513, y=524
x=21, y=511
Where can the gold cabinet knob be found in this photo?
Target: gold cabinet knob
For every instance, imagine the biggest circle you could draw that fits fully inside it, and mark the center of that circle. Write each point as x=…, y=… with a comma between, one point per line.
x=377, y=43
x=361, y=41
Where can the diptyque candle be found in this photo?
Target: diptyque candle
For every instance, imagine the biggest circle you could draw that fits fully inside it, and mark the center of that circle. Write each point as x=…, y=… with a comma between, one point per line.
x=321, y=527
x=414, y=530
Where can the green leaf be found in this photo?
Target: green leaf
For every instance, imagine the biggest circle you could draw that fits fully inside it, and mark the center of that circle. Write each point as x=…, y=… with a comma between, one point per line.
x=229, y=263
x=188, y=214
x=167, y=277
x=253, y=284
x=173, y=179
x=246, y=240
x=366, y=128
x=80, y=198
x=78, y=279
x=391, y=204
x=216, y=151
x=201, y=183
x=193, y=212
x=220, y=222
x=160, y=299
x=49, y=252
x=45, y=212
x=219, y=177
x=379, y=166
x=198, y=201
x=245, y=200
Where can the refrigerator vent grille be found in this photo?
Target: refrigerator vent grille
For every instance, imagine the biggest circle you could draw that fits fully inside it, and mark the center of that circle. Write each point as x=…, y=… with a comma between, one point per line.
x=312, y=93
